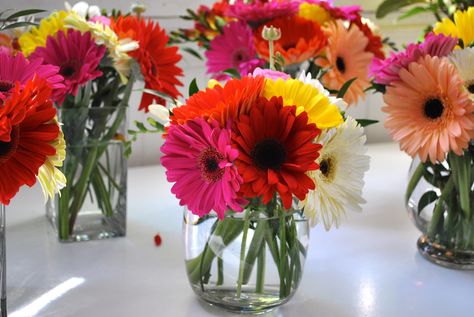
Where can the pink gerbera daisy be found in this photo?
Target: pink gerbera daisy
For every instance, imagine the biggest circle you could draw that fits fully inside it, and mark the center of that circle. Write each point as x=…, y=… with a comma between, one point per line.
x=234, y=48
x=77, y=56
x=259, y=11
x=386, y=71
x=16, y=68
x=199, y=158
x=429, y=111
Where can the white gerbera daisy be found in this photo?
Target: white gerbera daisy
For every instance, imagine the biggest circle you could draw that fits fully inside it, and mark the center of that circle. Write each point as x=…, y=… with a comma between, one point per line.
x=464, y=62
x=340, y=179
x=307, y=79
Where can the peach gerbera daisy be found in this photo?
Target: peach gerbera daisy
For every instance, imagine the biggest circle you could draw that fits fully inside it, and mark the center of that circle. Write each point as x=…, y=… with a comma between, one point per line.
x=429, y=110
x=346, y=59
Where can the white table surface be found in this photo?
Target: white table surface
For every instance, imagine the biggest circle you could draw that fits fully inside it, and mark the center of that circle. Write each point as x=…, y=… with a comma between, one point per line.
x=368, y=267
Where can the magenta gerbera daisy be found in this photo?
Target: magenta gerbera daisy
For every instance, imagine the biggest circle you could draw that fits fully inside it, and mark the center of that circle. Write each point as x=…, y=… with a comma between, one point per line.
x=77, y=56
x=259, y=12
x=387, y=71
x=234, y=48
x=16, y=68
x=199, y=158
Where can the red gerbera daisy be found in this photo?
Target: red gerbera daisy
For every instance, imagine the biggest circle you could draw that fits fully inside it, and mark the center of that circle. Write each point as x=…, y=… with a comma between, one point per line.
x=300, y=40
x=276, y=150
x=375, y=44
x=221, y=102
x=26, y=131
x=157, y=60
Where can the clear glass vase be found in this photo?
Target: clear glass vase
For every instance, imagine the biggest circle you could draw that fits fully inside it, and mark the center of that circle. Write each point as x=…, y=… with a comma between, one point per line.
x=440, y=202
x=93, y=204
x=248, y=262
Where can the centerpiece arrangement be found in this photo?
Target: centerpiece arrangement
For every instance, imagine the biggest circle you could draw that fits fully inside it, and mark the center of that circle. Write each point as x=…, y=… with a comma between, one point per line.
x=315, y=35
x=100, y=56
x=428, y=91
x=255, y=161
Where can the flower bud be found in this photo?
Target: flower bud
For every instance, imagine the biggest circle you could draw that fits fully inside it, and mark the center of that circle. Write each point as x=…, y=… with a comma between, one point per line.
x=138, y=8
x=271, y=33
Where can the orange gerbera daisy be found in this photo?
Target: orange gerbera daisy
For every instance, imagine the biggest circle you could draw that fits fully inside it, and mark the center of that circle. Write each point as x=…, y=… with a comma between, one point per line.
x=158, y=62
x=27, y=130
x=346, y=59
x=300, y=40
x=429, y=110
x=276, y=150
x=221, y=102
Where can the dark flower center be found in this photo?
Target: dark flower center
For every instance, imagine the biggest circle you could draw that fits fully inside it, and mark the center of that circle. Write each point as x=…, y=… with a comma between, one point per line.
x=208, y=162
x=324, y=167
x=68, y=69
x=6, y=85
x=269, y=153
x=470, y=88
x=289, y=45
x=327, y=168
x=341, y=66
x=7, y=149
x=434, y=108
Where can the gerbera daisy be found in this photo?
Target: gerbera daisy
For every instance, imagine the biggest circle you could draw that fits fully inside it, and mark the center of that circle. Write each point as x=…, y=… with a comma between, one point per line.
x=307, y=98
x=386, y=71
x=347, y=59
x=77, y=56
x=340, y=178
x=158, y=62
x=270, y=74
x=375, y=44
x=52, y=180
x=27, y=130
x=464, y=62
x=276, y=150
x=429, y=111
x=118, y=49
x=259, y=12
x=313, y=10
x=300, y=40
x=462, y=27
x=38, y=35
x=308, y=79
x=199, y=158
x=234, y=48
x=16, y=68
x=221, y=102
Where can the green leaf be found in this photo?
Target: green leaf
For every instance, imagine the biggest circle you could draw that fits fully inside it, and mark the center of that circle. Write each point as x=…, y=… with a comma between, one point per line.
x=414, y=11
x=192, y=52
x=345, y=87
x=155, y=124
x=232, y=72
x=366, y=122
x=389, y=6
x=140, y=126
x=426, y=199
x=193, y=87
x=17, y=25
x=24, y=13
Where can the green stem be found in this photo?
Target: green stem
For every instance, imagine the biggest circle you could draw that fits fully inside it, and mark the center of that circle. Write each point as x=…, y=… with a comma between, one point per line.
x=415, y=178
x=254, y=249
x=261, y=270
x=220, y=271
x=438, y=211
x=461, y=171
x=272, y=58
x=102, y=195
x=242, y=253
x=282, y=264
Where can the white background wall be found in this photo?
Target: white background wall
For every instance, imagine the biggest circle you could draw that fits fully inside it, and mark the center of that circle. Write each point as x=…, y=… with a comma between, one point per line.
x=146, y=150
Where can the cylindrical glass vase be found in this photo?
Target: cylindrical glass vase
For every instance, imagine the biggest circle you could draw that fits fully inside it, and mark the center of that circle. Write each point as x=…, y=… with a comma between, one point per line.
x=248, y=262
x=440, y=202
x=93, y=204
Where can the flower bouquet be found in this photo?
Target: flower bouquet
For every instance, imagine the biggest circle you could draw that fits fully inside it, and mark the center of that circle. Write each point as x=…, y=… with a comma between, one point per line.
x=99, y=56
x=256, y=160
x=428, y=100
x=315, y=36
x=32, y=145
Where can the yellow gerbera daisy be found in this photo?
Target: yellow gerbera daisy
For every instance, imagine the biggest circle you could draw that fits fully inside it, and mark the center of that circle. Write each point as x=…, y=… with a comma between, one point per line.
x=462, y=27
x=37, y=36
x=52, y=180
x=307, y=98
x=104, y=35
x=314, y=13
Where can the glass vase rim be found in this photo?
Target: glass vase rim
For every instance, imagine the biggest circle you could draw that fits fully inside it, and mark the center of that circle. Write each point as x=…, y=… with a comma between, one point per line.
x=239, y=216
